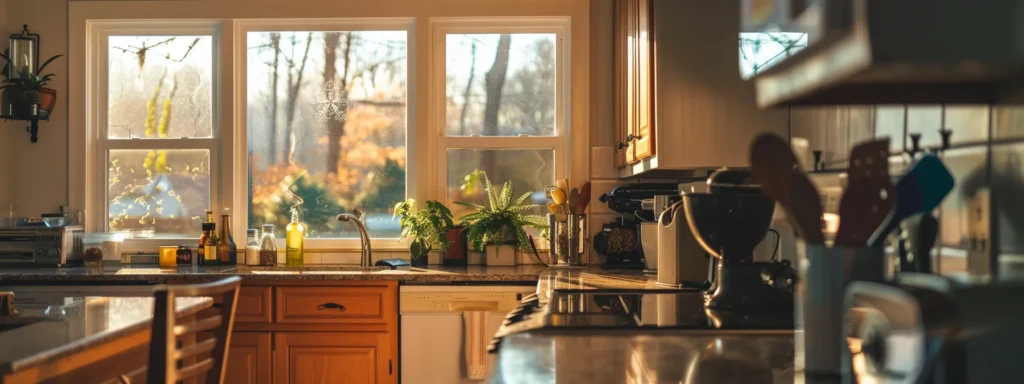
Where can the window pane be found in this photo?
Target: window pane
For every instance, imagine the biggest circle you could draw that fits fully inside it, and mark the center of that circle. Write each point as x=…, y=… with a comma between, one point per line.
x=529, y=169
x=327, y=128
x=159, y=86
x=500, y=85
x=760, y=50
x=164, y=191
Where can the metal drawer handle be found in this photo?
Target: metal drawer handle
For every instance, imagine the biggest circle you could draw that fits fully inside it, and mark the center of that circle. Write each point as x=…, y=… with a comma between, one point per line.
x=324, y=306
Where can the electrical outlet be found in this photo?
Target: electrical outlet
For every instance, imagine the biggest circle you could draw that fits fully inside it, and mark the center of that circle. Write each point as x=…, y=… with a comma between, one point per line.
x=979, y=235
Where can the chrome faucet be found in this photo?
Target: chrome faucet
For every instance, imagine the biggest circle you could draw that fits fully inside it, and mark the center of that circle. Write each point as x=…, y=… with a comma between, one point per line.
x=364, y=237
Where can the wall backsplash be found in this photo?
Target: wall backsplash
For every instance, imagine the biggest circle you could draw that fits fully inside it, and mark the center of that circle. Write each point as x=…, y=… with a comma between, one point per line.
x=985, y=156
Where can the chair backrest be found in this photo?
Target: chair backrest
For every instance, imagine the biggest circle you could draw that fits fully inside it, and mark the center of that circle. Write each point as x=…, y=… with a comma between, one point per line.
x=169, y=363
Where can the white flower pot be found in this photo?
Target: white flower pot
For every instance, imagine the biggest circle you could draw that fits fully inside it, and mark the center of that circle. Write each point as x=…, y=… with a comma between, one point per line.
x=501, y=255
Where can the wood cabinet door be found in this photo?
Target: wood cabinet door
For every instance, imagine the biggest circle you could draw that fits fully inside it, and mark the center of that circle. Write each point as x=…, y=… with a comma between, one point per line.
x=249, y=358
x=621, y=56
x=643, y=139
x=632, y=8
x=333, y=357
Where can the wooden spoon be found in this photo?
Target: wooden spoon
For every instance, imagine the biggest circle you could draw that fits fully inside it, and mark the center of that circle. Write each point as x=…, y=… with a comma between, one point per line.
x=555, y=208
x=868, y=196
x=775, y=167
x=581, y=205
x=574, y=199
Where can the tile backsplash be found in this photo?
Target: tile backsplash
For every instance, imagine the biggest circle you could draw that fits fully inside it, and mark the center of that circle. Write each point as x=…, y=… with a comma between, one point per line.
x=985, y=157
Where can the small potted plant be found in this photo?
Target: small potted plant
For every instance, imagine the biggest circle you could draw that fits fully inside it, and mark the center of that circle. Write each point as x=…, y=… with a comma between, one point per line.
x=427, y=227
x=501, y=226
x=25, y=93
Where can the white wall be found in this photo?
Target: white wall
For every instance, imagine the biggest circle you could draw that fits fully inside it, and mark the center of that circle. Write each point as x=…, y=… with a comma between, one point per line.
x=34, y=176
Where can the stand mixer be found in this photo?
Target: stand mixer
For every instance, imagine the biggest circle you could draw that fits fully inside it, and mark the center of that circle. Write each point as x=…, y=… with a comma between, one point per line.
x=729, y=223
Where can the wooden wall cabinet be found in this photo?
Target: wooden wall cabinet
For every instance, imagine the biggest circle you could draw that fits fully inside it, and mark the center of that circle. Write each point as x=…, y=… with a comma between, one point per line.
x=679, y=100
x=634, y=123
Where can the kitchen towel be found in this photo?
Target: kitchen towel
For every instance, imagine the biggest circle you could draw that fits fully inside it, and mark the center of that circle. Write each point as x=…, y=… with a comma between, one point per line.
x=475, y=339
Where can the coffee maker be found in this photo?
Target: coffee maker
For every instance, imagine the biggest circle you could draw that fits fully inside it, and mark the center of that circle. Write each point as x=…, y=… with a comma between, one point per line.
x=729, y=222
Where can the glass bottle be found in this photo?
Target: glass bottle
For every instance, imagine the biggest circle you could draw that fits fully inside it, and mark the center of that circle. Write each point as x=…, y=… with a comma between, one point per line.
x=203, y=239
x=227, y=250
x=209, y=216
x=294, y=234
x=268, y=246
x=184, y=255
x=252, y=247
x=212, y=242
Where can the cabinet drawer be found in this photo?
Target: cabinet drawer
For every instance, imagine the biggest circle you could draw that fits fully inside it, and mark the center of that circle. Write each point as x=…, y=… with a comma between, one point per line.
x=349, y=304
x=254, y=305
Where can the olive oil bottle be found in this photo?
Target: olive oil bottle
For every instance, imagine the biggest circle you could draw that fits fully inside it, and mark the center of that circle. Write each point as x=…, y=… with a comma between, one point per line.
x=295, y=233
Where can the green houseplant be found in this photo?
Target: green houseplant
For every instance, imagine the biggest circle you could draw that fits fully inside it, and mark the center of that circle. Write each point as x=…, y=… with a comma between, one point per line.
x=27, y=89
x=427, y=227
x=503, y=222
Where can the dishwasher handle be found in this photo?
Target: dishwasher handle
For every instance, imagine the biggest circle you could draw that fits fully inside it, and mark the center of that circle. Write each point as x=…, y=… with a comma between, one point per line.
x=466, y=306
x=339, y=307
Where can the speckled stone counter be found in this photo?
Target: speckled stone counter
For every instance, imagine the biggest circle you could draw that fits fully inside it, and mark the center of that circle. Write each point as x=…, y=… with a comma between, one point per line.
x=526, y=274
x=70, y=324
x=546, y=278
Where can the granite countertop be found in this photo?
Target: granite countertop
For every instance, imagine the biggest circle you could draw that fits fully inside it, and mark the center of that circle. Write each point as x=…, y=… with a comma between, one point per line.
x=70, y=324
x=118, y=273
x=646, y=357
x=586, y=278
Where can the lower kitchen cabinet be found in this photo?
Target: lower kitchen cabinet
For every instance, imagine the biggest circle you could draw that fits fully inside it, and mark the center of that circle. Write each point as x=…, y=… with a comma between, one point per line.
x=333, y=357
x=249, y=358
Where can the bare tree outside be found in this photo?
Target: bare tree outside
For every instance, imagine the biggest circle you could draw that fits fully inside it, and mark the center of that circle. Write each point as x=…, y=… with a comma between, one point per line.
x=344, y=99
x=516, y=96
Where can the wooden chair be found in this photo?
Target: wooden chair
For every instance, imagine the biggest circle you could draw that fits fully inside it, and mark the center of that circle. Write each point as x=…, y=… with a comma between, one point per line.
x=169, y=363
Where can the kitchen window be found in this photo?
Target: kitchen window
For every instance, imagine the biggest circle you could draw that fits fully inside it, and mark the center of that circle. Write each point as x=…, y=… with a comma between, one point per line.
x=317, y=114
x=156, y=128
x=503, y=110
x=326, y=122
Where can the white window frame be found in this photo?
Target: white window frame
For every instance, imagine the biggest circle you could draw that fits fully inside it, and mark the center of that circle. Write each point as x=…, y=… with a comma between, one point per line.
x=97, y=61
x=560, y=142
x=241, y=159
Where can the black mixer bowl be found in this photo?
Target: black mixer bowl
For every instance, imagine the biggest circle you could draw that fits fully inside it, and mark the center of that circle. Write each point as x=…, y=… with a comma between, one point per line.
x=726, y=225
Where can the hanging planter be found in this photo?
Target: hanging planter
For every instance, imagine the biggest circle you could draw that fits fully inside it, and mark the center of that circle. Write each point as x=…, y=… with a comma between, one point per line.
x=25, y=96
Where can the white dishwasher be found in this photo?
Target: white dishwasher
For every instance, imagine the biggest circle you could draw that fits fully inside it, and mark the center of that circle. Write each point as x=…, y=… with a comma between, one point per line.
x=445, y=329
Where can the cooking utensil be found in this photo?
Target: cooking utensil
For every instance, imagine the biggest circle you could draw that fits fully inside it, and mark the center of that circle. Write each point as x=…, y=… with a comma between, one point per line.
x=559, y=197
x=555, y=208
x=918, y=237
x=868, y=196
x=776, y=169
x=562, y=184
x=921, y=189
x=574, y=198
x=581, y=205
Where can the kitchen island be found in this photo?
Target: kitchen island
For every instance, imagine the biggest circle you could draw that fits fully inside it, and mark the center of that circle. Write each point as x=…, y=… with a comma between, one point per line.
x=61, y=338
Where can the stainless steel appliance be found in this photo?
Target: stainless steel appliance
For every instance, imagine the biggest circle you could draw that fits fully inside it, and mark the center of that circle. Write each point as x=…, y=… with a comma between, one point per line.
x=435, y=335
x=931, y=329
x=681, y=261
x=40, y=246
x=877, y=52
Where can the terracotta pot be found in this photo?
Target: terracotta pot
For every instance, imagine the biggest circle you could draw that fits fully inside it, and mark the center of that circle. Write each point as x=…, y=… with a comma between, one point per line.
x=47, y=100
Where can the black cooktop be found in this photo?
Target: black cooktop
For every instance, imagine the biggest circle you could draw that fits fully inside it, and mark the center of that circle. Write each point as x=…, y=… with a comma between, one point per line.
x=654, y=309
x=636, y=310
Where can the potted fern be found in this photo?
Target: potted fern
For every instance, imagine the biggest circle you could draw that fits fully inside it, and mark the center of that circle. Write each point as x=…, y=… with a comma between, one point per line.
x=501, y=226
x=427, y=227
